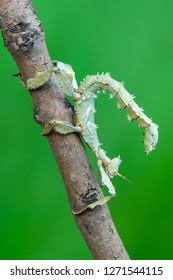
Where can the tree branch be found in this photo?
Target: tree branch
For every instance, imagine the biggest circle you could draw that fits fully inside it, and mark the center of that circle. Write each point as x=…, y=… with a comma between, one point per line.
x=24, y=38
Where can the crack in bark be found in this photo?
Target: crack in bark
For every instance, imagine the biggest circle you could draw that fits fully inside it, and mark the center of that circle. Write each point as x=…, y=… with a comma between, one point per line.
x=87, y=228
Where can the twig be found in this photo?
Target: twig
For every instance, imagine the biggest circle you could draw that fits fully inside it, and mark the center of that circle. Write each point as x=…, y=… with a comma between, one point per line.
x=24, y=38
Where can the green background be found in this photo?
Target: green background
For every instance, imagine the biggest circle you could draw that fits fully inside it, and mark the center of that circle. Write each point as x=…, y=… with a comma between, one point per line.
x=133, y=40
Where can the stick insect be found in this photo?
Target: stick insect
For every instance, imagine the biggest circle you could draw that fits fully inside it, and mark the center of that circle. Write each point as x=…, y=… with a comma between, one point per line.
x=84, y=98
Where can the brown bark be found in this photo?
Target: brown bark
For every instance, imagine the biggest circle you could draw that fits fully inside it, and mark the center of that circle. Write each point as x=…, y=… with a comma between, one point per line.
x=24, y=38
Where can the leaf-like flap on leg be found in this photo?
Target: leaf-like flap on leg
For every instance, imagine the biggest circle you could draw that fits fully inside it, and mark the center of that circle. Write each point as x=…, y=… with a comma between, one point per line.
x=40, y=79
x=100, y=202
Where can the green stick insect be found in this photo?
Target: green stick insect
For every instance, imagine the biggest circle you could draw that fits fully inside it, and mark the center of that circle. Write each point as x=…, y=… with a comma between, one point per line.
x=84, y=124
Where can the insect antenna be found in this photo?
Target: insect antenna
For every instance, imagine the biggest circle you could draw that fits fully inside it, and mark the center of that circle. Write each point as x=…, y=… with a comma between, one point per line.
x=123, y=177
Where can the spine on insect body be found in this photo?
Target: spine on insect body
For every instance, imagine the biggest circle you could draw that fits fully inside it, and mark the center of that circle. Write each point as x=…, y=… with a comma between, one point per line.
x=92, y=85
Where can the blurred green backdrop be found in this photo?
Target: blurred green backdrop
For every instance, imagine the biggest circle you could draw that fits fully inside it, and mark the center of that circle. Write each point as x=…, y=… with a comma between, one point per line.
x=133, y=40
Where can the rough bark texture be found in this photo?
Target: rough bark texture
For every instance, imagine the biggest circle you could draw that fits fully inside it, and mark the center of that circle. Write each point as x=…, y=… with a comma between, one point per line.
x=24, y=38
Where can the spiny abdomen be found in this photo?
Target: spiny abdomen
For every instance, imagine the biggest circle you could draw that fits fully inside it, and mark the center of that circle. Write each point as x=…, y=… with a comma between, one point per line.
x=90, y=87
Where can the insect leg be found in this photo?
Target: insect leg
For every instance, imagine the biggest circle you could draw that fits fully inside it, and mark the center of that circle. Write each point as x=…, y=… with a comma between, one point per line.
x=62, y=127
